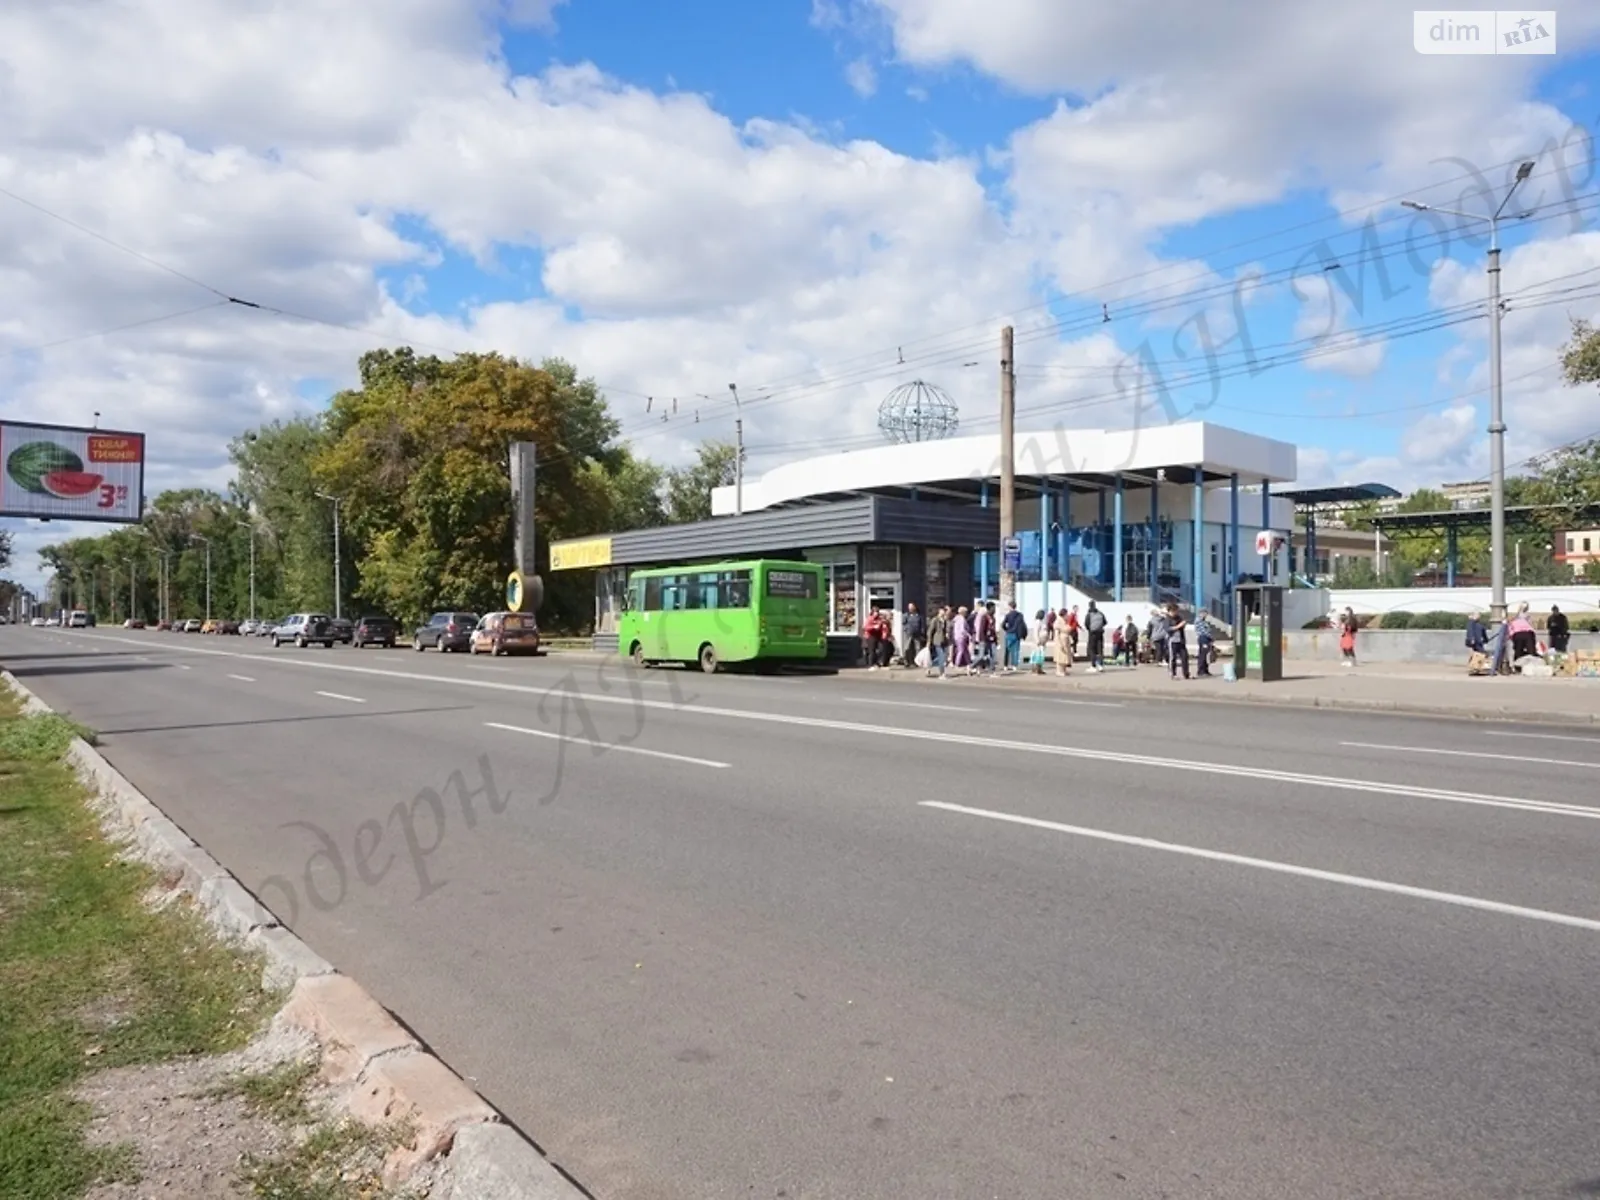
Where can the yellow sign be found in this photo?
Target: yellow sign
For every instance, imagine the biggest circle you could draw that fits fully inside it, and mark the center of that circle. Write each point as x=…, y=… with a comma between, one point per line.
x=584, y=552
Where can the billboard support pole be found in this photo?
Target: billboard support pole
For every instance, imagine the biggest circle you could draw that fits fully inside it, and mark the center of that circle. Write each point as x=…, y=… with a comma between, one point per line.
x=524, y=460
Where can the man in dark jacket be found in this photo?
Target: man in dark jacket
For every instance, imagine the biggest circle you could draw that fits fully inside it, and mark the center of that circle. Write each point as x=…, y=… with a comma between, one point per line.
x=1558, y=629
x=913, y=628
x=1015, y=627
x=1095, y=622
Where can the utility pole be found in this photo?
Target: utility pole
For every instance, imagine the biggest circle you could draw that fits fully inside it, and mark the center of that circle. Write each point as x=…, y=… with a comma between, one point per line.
x=338, y=590
x=1497, y=423
x=133, y=587
x=1008, y=463
x=252, y=529
x=738, y=452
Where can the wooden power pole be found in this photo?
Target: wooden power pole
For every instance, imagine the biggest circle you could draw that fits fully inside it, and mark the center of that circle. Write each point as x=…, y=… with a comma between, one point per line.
x=1008, y=466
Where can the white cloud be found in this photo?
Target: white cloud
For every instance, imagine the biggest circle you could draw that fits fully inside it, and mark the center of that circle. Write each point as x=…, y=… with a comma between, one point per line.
x=861, y=77
x=271, y=150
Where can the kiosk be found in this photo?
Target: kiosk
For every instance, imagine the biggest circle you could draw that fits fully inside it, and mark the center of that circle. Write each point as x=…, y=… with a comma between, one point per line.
x=1258, y=632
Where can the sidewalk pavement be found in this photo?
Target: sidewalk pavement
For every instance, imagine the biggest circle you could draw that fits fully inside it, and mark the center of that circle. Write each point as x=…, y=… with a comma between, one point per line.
x=1423, y=688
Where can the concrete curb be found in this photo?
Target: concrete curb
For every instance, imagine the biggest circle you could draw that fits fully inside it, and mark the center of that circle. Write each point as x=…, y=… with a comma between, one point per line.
x=382, y=1073
x=1510, y=715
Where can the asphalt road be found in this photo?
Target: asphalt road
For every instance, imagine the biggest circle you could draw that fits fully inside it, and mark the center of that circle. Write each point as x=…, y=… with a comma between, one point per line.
x=733, y=936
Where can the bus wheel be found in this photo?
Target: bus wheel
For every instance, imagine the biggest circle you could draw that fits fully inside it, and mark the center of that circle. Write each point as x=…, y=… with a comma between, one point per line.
x=636, y=652
x=708, y=659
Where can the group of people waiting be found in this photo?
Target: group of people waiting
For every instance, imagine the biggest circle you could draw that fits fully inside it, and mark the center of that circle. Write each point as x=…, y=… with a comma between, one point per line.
x=975, y=641
x=1524, y=639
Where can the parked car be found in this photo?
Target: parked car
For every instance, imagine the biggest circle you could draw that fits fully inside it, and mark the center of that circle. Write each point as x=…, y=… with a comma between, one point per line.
x=266, y=628
x=305, y=629
x=446, y=631
x=374, y=631
x=132, y=623
x=247, y=627
x=37, y=622
x=159, y=625
x=229, y=627
x=343, y=629
x=193, y=625
x=78, y=620
x=506, y=633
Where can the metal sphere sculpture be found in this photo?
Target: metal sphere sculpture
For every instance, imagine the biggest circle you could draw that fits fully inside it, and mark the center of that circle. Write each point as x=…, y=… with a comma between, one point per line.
x=917, y=412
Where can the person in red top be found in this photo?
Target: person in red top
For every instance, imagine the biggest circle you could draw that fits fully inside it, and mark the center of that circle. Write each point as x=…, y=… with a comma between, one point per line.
x=1072, y=629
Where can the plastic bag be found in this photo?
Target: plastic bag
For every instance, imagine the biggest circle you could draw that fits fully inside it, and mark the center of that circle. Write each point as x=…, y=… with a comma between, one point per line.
x=924, y=658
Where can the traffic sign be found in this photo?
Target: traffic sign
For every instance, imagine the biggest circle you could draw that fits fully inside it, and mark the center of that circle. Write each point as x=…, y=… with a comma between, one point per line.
x=1011, y=554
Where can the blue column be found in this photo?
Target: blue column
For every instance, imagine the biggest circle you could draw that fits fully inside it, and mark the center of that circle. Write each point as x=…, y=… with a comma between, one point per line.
x=1233, y=545
x=1044, y=543
x=1064, y=506
x=1199, y=514
x=983, y=555
x=1266, y=523
x=1116, y=543
x=1155, y=535
x=1066, y=541
x=1450, y=556
x=1100, y=542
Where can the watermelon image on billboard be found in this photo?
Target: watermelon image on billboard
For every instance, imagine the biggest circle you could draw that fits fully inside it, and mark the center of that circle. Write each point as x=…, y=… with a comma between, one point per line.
x=71, y=473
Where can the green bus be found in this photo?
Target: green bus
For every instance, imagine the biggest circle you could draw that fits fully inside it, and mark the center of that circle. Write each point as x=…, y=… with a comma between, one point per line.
x=765, y=610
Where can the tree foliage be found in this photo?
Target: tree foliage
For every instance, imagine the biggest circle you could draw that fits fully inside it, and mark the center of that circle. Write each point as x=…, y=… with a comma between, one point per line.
x=689, y=488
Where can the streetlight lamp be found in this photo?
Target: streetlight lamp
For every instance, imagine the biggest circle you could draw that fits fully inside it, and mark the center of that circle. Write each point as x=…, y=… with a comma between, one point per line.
x=1497, y=424
x=248, y=525
x=338, y=590
x=195, y=537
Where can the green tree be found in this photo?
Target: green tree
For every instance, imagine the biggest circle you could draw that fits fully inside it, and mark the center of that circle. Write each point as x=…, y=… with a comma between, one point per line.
x=419, y=453
x=689, y=488
x=5, y=548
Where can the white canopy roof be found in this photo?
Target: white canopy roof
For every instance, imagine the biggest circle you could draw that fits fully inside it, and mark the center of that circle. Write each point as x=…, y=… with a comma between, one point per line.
x=1093, y=456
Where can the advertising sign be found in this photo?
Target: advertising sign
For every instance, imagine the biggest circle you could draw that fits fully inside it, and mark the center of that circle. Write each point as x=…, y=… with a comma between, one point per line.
x=583, y=552
x=1252, y=646
x=66, y=473
x=1011, y=554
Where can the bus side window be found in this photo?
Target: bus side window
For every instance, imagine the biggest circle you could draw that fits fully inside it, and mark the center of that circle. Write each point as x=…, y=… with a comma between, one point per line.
x=652, y=594
x=736, y=589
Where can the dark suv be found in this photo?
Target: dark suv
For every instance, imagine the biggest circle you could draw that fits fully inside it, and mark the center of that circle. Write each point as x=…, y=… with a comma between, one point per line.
x=374, y=631
x=446, y=631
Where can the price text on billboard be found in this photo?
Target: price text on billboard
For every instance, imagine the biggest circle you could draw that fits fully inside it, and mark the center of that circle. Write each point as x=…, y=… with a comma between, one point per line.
x=67, y=473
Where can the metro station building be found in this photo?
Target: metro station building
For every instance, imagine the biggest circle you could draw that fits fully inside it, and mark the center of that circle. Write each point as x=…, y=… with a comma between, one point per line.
x=1127, y=518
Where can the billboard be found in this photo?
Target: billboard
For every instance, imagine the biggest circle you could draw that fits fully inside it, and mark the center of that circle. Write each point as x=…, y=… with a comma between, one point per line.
x=67, y=473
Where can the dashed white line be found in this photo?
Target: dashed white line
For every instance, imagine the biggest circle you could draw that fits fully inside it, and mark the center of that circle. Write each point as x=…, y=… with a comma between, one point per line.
x=1281, y=868
x=1521, y=758
x=242, y=678
x=1549, y=737
x=342, y=696
x=564, y=737
x=908, y=704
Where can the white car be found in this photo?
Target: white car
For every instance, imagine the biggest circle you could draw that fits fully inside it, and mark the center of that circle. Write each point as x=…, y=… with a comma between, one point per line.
x=38, y=622
x=78, y=620
x=247, y=627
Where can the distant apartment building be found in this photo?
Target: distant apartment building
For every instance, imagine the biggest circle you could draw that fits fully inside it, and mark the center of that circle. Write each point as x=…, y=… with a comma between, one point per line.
x=1578, y=548
x=1336, y=548
x=1467, y=495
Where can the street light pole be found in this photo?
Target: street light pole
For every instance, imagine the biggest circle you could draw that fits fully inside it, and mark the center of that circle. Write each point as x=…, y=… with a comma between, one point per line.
x=738, y=453
x=338, y=589
x=1497, y=424
x=133, y=586
x=252, y=529
x=196, y=537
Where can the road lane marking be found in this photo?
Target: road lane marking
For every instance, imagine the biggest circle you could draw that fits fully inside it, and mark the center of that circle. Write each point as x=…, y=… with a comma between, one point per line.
x=579, y=741
x=342, y=696
x=1549, y=737
x=242, y=678
x=1281, y=868
x=184, y=667
x=904, y=704
x=1521, y=758
x=968, y=741
x=1084, y=703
